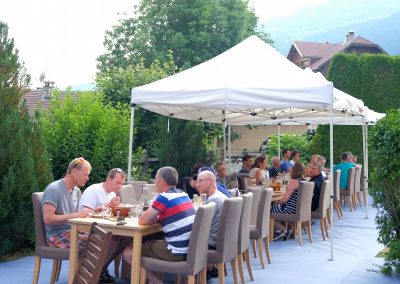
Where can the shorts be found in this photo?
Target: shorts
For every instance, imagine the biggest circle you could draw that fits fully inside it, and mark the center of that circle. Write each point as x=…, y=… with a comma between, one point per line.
x=63, y=240
x=158, y=249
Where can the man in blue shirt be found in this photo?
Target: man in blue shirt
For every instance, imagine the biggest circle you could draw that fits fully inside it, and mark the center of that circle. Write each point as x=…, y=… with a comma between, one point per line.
x=286, y=166
x=344, y=166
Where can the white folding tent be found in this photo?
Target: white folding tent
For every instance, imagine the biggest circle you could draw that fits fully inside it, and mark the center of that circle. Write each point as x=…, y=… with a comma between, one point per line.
x=251, y=83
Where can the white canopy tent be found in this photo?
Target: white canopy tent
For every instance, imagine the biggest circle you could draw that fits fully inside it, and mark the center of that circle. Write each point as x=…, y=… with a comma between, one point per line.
x=251, y=83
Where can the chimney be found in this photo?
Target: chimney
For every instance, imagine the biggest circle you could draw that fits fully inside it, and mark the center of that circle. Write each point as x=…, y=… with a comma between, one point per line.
x=349, y=37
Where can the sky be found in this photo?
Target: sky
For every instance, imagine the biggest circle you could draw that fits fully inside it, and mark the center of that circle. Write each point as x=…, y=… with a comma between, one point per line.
x=64, y=38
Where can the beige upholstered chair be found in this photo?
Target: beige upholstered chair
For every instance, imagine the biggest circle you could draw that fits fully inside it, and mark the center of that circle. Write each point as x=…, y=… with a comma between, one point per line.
x=321, y=212
x=303, y=210
x=243, y=182
x=227, y=239
x=357, y=186
x=42, y=250
x=94, y=256
x=349, y=192
x=129, y=192
x=260, y=230
x=233, y=192
x=196, y=261
x=336, y=194
x=244, y=236
x=151, y=187
x=137, y=184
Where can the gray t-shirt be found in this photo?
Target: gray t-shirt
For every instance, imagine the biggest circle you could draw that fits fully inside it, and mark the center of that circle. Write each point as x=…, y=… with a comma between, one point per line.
x=65, y=202
x=218, y=198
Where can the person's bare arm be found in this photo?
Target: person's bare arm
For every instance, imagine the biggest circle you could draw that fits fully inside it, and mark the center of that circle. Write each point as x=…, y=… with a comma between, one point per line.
x=51, y=218
x=150, y=216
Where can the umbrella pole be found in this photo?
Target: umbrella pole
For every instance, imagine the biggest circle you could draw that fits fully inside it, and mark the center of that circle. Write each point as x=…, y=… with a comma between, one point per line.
x=331, y=174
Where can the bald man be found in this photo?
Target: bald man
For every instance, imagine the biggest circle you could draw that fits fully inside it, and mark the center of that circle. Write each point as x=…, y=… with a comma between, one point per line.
x=207, y=183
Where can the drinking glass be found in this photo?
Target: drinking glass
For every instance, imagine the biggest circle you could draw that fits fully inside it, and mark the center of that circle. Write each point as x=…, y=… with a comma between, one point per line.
x=106, y=212
x=135, y=212
x=203, y=198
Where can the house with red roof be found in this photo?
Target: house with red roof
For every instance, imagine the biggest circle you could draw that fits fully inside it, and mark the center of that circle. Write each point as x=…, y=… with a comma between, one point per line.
x=318, y=55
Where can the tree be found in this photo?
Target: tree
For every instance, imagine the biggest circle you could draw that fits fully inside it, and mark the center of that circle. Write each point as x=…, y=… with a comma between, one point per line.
x=385, y=185
x=297, y=142
x=24, y=166
x=87, y=126
x=194, y=30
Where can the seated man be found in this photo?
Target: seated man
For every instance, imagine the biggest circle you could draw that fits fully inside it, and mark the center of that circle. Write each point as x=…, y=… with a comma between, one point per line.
x=222, y=174
x=247, y=161
x=285, y=164
x=105, y=193
x=220, y=186
x=176, y=213
x=314, y=172
x=344, y=166
x=206, y=183
x=275, y=168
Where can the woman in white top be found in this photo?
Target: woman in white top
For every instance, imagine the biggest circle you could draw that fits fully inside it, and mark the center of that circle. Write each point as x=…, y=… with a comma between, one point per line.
x=258, y=170
x=295, y=157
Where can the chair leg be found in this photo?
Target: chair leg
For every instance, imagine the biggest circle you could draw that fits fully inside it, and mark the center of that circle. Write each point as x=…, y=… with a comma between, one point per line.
x=298, y=228
x=365, y=197
x=359, y=198
x=203, y=276
x=350, y=204
x=328, y=215
x=221, y=273
x=36, y=270
x=326, y=228
x=240, y=266
x=336, y=205
x=58, y=269
x=190, y=279
x=259, y=243
x=266, y=244
x=54, y=271
x=271, y=229
x=225, y=270
x=322, y=225
x=117, y=261
x=234, y=271
x=254, y=248
x=353, y=198
x=248, y=262
x=142, y=276
x=340, y=209
x=309, y=231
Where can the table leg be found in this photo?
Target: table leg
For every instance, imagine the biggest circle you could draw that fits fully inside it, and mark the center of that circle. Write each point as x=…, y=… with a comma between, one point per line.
x=73, y=254
x=136, y=255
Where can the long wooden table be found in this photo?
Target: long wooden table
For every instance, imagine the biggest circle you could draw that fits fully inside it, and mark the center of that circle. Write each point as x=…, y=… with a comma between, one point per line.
x=131, y=229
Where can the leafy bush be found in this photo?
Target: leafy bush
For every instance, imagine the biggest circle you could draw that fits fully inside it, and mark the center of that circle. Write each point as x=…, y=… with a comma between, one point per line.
x=297, y=142
x=87, y=127
x=385, y=185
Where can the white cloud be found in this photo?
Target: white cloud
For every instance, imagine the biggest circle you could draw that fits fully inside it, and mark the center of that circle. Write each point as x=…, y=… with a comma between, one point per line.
x=64, y=38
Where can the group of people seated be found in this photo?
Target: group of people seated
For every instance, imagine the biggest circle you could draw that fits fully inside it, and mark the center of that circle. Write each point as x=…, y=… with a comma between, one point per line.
x=63, y=200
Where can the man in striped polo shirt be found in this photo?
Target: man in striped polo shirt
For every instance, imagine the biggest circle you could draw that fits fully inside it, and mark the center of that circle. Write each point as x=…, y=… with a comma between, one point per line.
x=176, y=213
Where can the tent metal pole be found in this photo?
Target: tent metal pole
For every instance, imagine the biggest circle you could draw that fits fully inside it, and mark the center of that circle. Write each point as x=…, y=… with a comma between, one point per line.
x=131, y=143
x=279, y=140
x=364, y=157
x=229, y=149
x=331, y=173
x=366, y=174
x=225, y=123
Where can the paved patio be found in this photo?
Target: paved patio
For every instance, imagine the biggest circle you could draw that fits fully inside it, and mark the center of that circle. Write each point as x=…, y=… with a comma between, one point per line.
x=355, y=248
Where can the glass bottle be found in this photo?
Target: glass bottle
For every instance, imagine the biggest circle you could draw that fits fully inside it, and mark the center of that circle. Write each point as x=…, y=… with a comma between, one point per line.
x=144, y=199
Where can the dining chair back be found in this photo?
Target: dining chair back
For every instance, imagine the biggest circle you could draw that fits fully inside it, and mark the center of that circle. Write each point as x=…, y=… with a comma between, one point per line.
x=242, y=181
x=349, y=192
x=260, y=231
x=151, y=187
x=137, y=184
x=227, y=239
x=357, y=186
x=244, y=236
x=321, y=212
x=196, y=261
x=94, y=256
x=362, y=186
x=234, y=192
x=303, y=210
x=128, y=192
x=256, y=199
x=336, y=193
x=42, y=250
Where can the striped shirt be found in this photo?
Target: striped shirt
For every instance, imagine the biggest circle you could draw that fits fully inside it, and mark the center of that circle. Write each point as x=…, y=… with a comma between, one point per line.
x=176, y=214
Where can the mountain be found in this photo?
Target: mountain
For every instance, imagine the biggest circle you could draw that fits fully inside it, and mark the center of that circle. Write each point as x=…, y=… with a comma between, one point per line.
x=378, y=21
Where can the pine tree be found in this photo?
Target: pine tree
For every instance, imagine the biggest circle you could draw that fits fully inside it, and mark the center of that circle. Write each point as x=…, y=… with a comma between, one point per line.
x=23, y=164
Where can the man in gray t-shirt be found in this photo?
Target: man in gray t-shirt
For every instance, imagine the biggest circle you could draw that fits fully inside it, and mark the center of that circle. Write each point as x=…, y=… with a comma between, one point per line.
x=60, y=203
x=206, y=183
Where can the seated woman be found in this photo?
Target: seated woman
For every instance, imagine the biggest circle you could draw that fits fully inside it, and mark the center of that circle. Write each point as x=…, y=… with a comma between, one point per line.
x=287, y=205
x=258, y=170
